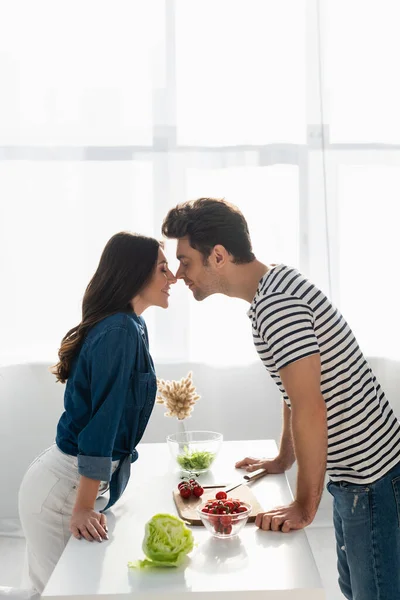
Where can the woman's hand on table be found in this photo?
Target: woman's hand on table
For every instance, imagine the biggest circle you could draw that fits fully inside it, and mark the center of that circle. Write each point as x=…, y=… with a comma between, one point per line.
x=285, y=518
x=271, y=465
x=87, y=523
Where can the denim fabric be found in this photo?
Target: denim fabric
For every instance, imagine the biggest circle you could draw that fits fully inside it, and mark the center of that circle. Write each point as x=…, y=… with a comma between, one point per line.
x=367, y=529
x=108, y=400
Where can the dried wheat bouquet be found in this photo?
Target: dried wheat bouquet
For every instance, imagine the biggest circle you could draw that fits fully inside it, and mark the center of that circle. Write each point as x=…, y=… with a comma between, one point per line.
x=179, y=397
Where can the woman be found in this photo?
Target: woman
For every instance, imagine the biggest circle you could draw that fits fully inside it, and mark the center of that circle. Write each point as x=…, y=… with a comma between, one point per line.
x=109, y=396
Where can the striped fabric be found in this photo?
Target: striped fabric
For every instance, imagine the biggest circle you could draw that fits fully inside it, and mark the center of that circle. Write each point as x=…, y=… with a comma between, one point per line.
x=293, y=319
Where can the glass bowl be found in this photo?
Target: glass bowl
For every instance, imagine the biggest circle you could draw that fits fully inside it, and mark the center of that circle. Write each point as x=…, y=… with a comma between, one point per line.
x=194, y=451
x=224, y=526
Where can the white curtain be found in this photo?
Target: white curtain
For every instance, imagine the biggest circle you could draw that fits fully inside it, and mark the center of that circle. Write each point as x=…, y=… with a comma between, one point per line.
x=112, y=112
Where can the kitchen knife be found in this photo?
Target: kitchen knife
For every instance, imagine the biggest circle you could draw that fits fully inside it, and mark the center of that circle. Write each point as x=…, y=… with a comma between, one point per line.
x=247, y=480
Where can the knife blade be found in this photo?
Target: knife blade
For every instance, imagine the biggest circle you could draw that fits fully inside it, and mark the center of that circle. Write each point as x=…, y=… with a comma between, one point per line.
x=215, y=485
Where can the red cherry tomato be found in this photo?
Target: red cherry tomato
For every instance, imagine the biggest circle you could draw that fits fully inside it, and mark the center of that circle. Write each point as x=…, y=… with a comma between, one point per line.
x=185, y=492
x=227, y=529
x=221, y=495
x=198, y=491
x=241, y=509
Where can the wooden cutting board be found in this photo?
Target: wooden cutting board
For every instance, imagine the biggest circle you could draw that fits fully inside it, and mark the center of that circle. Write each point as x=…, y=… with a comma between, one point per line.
x=187, y=508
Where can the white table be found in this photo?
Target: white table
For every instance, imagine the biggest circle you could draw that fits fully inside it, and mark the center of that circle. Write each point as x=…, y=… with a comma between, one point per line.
x=256, y=564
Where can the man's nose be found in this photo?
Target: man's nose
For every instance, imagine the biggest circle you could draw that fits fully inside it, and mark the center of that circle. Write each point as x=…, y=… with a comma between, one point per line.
x=179, y=274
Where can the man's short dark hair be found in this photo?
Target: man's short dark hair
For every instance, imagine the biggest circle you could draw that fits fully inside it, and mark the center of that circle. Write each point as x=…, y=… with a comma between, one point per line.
x=207, y=222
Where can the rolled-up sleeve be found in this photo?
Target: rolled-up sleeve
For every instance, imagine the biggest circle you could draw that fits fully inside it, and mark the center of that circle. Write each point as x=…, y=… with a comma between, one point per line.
x=110, y=363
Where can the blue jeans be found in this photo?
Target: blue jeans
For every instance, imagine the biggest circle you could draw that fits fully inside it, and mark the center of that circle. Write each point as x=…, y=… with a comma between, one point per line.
x=367, y=530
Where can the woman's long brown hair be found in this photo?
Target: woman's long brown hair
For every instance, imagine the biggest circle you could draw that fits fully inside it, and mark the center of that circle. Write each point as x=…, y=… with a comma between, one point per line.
x=126, y=265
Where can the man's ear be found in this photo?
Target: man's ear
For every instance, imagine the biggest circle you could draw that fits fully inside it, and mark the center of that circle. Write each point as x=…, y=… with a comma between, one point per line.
x=220, y=256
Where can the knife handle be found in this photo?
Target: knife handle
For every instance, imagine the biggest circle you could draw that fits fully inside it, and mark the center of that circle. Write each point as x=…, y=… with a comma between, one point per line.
x=256, y=475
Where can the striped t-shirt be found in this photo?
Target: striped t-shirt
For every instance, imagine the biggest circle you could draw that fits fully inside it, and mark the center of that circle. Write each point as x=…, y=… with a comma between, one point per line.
x=292, y=319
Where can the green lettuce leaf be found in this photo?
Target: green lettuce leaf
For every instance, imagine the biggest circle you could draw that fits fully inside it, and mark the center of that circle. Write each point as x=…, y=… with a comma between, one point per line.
x=166, y=543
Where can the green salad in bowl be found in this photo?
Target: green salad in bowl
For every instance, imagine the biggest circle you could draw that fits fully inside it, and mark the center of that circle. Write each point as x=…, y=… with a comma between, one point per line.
x=195, y=451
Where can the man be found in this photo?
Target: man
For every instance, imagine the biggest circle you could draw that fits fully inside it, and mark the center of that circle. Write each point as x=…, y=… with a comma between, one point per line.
x=335, y=414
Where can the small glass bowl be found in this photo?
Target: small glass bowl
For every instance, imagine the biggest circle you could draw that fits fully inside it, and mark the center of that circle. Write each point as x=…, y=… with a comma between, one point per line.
x=224, y=526
x=194, y=451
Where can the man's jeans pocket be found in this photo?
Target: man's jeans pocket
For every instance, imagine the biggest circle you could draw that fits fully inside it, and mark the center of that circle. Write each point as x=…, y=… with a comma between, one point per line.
x=396, y=490
x=352, y=500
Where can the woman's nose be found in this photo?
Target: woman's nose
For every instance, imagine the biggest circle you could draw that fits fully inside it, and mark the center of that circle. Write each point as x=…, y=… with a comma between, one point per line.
x=171, y=277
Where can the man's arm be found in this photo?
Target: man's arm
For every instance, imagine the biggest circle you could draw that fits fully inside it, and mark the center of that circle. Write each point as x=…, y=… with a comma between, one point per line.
x=302, y=382
x=287, y=455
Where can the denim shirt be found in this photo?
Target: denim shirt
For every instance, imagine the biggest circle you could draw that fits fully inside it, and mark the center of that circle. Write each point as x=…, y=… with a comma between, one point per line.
x=108, y=400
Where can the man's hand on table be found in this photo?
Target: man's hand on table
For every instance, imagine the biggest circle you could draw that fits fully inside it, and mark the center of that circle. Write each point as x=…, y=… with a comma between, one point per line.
x=281, y=518
x=271, y=465
x=285, y=518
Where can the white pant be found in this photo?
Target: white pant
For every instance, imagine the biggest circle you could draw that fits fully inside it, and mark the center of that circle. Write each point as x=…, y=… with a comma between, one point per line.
x=46, y=499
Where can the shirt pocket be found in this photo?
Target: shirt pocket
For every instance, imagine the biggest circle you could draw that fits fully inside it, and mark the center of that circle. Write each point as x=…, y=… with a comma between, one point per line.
x=147, y=408
x=144, y=388
x=140, y=385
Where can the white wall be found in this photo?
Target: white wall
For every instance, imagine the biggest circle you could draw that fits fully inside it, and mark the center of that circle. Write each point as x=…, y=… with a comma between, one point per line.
x=241, y=403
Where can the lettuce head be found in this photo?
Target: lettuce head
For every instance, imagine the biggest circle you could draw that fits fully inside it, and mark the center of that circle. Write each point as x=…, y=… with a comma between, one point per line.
x=166, y=542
